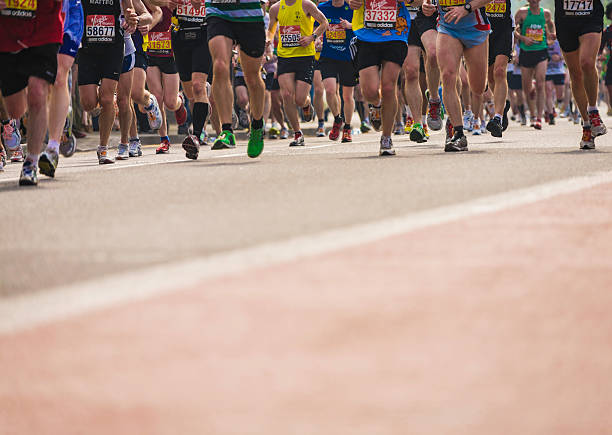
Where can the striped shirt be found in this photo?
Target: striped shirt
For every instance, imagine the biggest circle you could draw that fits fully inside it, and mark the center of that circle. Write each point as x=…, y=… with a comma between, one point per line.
x=240, y=10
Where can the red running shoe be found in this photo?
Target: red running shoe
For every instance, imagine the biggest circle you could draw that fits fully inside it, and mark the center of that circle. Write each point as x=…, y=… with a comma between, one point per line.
x=335, y=131
x=181, y=112
x=163, y=148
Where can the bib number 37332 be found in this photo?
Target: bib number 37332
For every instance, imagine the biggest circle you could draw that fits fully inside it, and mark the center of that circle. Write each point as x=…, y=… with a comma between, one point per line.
x=380, y=14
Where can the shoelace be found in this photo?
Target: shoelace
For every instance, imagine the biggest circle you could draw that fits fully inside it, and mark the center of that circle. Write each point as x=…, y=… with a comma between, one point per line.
x=595, y=119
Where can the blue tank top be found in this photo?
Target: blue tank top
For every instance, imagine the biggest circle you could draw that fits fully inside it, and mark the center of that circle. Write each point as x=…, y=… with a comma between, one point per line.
x=337, y=39
x=370, y=20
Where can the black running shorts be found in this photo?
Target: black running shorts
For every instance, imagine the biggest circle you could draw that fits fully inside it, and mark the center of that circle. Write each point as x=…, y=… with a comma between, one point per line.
x=570, y=29
x=100, y=63
x=530, y=59
x=500, y=43
x=342, y=70
x=18, y=67
x=250, y=36
x=375, y=53
x=302, y=66
x=165, y=64
x=192, y=55
x=515, y=81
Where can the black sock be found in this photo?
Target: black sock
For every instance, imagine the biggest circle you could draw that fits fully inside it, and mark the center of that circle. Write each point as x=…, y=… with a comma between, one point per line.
x=199, y=115
x=522, y=109
x=227, y=127
x=458, y=130
x=256, y=124
x=338, y=119
x=360, y=110
x=347, y=126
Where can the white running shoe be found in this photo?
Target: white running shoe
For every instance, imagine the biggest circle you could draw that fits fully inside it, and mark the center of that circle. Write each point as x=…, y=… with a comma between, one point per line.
x=154, y=114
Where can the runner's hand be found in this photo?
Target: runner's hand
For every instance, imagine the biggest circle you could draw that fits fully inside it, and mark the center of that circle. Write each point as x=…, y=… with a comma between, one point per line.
x=455, y=14
x=428, y=8
x=355, y=4
x=319, y=44
x=528, y=41
x=551, y=36
x=131, y=20
x=345, y=24
x=305, y=41
x=144, y=29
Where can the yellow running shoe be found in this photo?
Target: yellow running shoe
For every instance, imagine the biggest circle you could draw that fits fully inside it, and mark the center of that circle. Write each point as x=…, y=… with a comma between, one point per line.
x=426, y=130
x=409, y=124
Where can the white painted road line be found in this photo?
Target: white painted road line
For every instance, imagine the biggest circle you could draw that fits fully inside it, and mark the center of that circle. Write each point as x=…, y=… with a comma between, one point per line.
x=30, y=310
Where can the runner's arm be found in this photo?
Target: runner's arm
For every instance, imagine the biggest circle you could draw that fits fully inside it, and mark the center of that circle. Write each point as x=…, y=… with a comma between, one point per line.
x=131, y=17
x=518, y=19
x=145, y=18
x=355, y=4
x=272, y=23
x=457, y=13
x=311, y=9
x=550, y=26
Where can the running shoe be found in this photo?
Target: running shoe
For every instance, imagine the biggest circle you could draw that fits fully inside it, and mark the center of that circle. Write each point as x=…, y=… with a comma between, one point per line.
x=504, y=122
x=11, y=136
x=375, y=117
x=426, y=131
x=103, y=157
x=551, y=118
x=417, y=134
x=523, y=120
x=164, y=147
x=16, y=154
x=122, y=153
x=68, y=145
x=284, y=133
x=457, y=143
x=154, y=114
x=386, y=146
x=321, y=131
x=256, y=142
x=408, y=125
x=181, y=113
x=298, y=140
x=334, y=133
x=588, y=140
x=28, y=176
x=135, y=148
x=483, y=127
x=433, y=115
x=537, y=124
x=365, y=127
x=610, y=111
x=308, y=112
x=2, y=158
x=191, y=145
x=273, y=132
x=347, y=135
x=495, y=127
x=565, y=113
x=468, y=119
x=476, y=128
x=226, y=140
x=47, y=162
x=398, y=130
x=597, y=126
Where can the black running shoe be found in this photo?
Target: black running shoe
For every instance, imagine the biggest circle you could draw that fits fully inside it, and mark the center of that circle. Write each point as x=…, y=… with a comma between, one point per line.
x=456, y=144
x=191, y=145
x=495, y=127
x=504, y=122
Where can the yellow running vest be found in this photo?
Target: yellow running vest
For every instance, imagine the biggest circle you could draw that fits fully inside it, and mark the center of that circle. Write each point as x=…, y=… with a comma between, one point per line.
x=293, y=23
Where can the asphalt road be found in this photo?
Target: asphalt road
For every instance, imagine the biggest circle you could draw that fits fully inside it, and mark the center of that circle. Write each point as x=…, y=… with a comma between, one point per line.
x=322, y=290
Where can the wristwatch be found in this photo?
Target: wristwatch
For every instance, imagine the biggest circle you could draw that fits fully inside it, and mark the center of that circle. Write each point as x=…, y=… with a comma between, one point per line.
x=468, y=7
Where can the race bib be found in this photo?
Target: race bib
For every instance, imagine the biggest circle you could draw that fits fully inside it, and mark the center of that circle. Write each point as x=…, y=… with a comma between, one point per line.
x=335, y=34
x=380, y=14
x=290, y=36
x=449, y=3
x=537, y=34
x=160, y=43
x=577, y=7
x=20, y=8
x=496, y=7
x=100, y=28
x=190, y=14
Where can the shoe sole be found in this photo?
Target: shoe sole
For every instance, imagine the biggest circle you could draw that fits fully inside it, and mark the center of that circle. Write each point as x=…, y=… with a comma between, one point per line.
x=122, y=157
x=222, y=146
x=347, y=140
x=24, y=182
x=417, y=137
x=45, y=166
x=386, y=153
x=191, y=150
x=599, y=131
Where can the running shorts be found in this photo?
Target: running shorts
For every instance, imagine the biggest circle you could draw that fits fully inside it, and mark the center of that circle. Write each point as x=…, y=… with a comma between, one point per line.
x=374, y=53
x=18, y=67
x=100, y=63
x=302, y=66
x=570, y=29
x=193, y=56
x=342, y=70
x=165, y=64
x=530, y=59
x=557, y=79
x=501, y=41
x=250, y=36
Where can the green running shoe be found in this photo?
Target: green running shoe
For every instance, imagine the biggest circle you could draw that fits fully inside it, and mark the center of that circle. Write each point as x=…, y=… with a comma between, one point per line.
x=225, y=140
x=417, y=134
x=256, y=142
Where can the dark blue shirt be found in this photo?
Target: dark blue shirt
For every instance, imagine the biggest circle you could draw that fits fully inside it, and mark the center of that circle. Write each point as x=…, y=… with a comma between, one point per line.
x=336, y=40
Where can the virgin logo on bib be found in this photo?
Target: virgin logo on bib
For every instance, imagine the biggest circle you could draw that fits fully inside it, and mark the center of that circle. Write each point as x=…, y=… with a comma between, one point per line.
x=380, y=14
x=100, y=28
x=290, y=36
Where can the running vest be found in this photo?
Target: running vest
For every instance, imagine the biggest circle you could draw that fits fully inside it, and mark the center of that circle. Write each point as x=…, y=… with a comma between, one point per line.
x=30, y=23
x=188, y=21
x=382, y=21
x=336, y=39
x=588, y=9
x=160, y=42
x=102, y=24
x=499, y=13
x=235, y=10
x=534, y=27
x=555, y=67
x=293, y=23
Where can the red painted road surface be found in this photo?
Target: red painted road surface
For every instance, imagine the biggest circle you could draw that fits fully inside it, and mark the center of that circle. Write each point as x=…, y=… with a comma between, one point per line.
x=499, y=324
